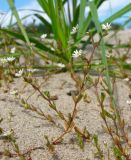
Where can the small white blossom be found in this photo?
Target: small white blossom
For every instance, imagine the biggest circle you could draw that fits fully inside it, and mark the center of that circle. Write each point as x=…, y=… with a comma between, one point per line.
x=13, y=50
x=19, y=74
x=32, y=70
x=77, y=53
x=61, y=65
x=97, y=62
x=3, y=60
x=10, y=59
x=6, y=134
x=126, y=79
x=14, y=92
x=105, y=143
x=75, y=29
x=32, y=44
x=43, y=36
x=106, y=26
x=128, y=102
x=108, y=54
x=128, y=61
x=52, y=49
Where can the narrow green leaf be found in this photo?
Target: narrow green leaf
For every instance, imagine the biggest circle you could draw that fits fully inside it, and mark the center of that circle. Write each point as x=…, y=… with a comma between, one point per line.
x=45, y=6
x=103, y=49
x=43, y=20
x=37, y=43
x=116, y=15
x=81, y=15
x=14, y=11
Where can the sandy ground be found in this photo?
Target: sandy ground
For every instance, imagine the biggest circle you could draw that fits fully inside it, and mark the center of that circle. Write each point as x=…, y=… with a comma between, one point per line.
x=30, y=128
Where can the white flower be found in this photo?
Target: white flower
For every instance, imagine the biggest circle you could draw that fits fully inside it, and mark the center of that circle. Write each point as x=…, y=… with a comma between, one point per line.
x=12, y=50
x=106, y=26
x=108, y=54
x=52, y=49
x=32, y=70
x=128, y=61
x=77, y=53
x=19, y=74
x=97, y=62
x=126, y=79
x=14, y=92
x=6, y=134
x=3, y=60
x=32, y=44
x=75, y=29
x=43, y=36
x=128, y=102
x=61, y=65
x=10, y=59
x=105, y=143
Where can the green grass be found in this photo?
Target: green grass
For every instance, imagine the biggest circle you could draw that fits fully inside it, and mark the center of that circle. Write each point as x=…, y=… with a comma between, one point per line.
x=103, y=51
x=60, y=27
x=15, y=13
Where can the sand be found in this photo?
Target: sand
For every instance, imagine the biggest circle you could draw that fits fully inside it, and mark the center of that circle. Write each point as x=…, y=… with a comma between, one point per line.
x=30, y=128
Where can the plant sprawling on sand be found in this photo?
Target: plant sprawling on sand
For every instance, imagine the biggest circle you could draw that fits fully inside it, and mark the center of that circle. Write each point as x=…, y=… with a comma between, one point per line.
x=63, y=50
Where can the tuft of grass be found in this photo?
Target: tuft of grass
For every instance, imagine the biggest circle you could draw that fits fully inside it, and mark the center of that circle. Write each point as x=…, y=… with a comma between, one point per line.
x=60, y=24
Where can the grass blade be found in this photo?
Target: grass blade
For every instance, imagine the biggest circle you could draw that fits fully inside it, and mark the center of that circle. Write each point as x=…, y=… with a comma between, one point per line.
x=14, y=11
x=37, y=43
x=43, y=20
x=81, y=16
x=104, y=59
x=116, y=15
